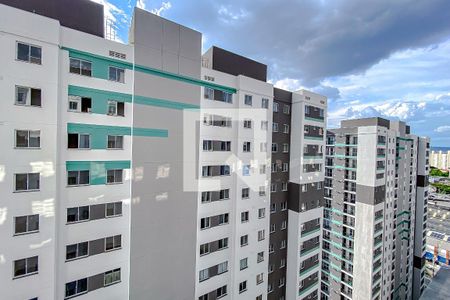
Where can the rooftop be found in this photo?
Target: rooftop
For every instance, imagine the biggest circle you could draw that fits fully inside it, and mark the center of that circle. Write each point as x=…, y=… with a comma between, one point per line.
x=439, y=287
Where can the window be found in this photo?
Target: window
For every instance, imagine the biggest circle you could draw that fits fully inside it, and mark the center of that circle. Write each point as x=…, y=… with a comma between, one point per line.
x=222, y=243
x=260, y=257
x=28, y=96
x=209, y=93
x=246, y=147
x=116, y=74
x=273, y=187
x=261, y=213
x=78, y=141
x=113, y=242
x=204, y=249
x=285, y=128
x=283, y=205
x=282, y=263
x=244, y=216
x=271, y=250
x=27, y=182
x=283, y=225
x=115, y=142
x=274, y=127
x=112, y=277
x=285, y=167
x=26, y=266
x=224, y=170
x=273, y=207
x=261, y=235
x=274, y=147
x=244, y=240
x=274, y=167
x=264, y=103
x=224, y=194
x=81, y=67
x=285, y=148
x=222, y=267
x=245, y=193
x=113, y=209
x=75, y=178
x=205, y=223
x=77, y=250
x=242, y=286
x=76, y=287
x=272, y=228
x=259, y=278
x=28, y=138
x=116, y=108
x=77, y=214
x=248, y=124
x=286, y=109
x=223, y=219
x=243, y=263
x=283, y=244
x=275, y=106
x=259, y=297
x=248, y=100
x=262, y=190
x=220, y=292
x=26, y=224
x=281, y=282
x=206, y=197
x=284, y=186
x=28, y=53
x=246, y=170
x=203, y=275
x=263, y=147
x=269, y=288
x=114, y=176
x=80, y=104
x=262, y=169
x=264, y=125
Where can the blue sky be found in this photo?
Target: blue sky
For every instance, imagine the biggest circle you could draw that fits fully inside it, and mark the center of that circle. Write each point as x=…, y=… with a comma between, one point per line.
x=370, y=58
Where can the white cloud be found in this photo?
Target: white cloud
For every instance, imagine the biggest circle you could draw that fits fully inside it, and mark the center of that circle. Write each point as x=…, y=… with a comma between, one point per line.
x=288, y=84
x=441, y=129
x=226, y=15
x=115, y=19
x=164, y=6
x=140, y=4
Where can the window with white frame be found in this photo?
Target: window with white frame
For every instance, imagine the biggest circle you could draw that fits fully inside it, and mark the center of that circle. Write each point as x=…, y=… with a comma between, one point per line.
x=115, y=108
x=114, y=176
x=26, y=224
x=244, y=216
x=261, y=213
x=283, y=205
x=286, y=109
x=273, y=187
x=205, y=223
x=264, y=103
x=222, y=267
x=282, y=281
x=285, y=148
x=246, y=169
x=248, y=99
x=285, y=167
x=80, y=104
x=284, y=186
x=259, y=278
x=112, y=277
x=223, y=219
x=221, y=292
x=264, y=125
x=246, y=147
x=28, y=138
x=282, y=263
x=244, y=240
x=80, y=177
x=80, y=67
x=116, y=74
x=248, y=124
x=113, y=242
x=274, y=127
x=275, y=106
x=271, y=248
x=242, y=286
x=261, y=235
x=27, y=182
x=113, y=209
x=28, y=96
x=29, y=53
x=274, y=147
x=283, y=244
x=77, y=214
x=262, y=190
x=245, y=193
x=26, y=266
x=76, y=287
x=115, y=141
x=222, y=244
x=285, y=128
x=260, y=257
x=273, y=207
x=78, y=141
x=204, y=249
x=77, y=250
x=272, y=228
x=283, y=225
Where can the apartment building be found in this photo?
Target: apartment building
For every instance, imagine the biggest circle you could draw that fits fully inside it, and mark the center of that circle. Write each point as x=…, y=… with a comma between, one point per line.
x=440, y=159
x=375, y=211
x=144, y=170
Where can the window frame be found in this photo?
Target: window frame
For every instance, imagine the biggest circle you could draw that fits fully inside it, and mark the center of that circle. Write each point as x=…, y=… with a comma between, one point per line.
x=29, y=131
x=115, y=142
x=78, y=214
x=76, y=288
x=80, y=66
x=28, y=183
x=77, y=256
x=26, y=267
x=27, y=225
x=115, y=209
x=30, y=46
x=28, y=98
x=114, y=245
x=117, y=71
x=78, y=178
x=112, y=274
x=115, y=175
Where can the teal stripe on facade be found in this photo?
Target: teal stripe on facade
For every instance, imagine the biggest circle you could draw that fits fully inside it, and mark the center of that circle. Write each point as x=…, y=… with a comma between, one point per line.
x=100, y=66
x=99, y=133
x=100, y=99
x=97, y=169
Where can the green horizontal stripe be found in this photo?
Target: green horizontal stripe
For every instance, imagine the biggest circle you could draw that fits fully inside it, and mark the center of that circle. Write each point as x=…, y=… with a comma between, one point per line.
x=314, y=119
x=100, y=66
x=314, y=138
x=163, y=103
x=346, y=145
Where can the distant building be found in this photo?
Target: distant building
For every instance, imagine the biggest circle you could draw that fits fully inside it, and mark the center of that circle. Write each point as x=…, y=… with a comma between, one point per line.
x=440, y=159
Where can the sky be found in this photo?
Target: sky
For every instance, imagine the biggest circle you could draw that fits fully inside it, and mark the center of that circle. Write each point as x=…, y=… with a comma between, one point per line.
x=370, y=58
